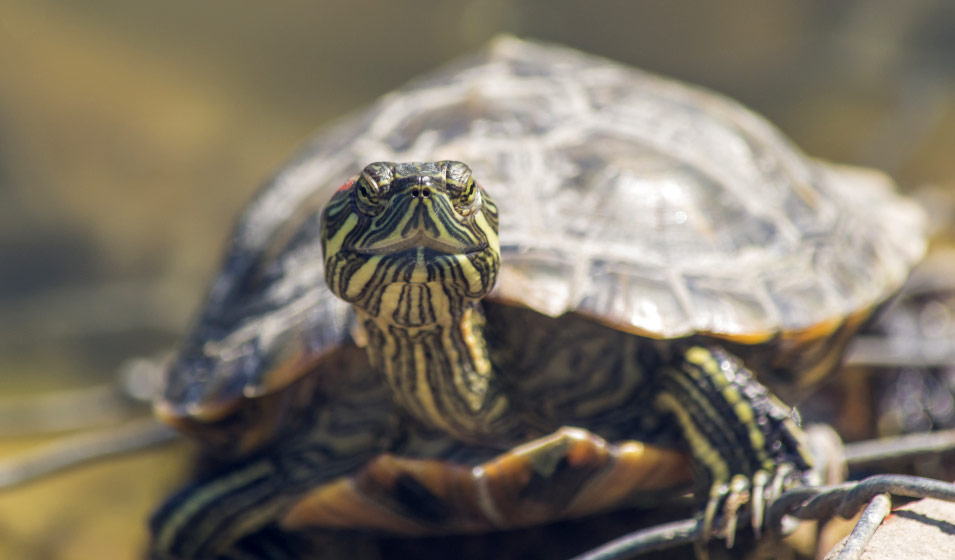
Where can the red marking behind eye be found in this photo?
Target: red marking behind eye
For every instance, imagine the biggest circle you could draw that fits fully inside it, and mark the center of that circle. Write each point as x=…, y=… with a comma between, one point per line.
x=347, y=185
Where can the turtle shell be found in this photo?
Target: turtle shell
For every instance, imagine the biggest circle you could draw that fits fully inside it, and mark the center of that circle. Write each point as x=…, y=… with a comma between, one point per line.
x=652, y=206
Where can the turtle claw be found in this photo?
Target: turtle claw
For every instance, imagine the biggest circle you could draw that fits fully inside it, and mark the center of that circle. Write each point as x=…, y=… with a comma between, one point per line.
x=738, y=496
x=718, y=493
x=728, y=502
x=760, y=480
x=781, y=479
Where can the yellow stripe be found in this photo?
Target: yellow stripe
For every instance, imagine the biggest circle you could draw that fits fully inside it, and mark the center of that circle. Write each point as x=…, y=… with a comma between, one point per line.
x=425, y=392
x=693, y=387
x=334, y=244
x=702, y=450
x=361, y=277
x=205, y=495
x=705, y=360
x=741, y=407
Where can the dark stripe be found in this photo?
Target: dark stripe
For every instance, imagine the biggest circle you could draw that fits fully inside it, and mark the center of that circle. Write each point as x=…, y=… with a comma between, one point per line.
x=209, y=516
x=699, y=399
x=725, y=419
x=202, y=513
x=694, y=404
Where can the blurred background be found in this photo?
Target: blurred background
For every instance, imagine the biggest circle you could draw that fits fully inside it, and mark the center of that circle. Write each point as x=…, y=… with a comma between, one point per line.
x=132, y=133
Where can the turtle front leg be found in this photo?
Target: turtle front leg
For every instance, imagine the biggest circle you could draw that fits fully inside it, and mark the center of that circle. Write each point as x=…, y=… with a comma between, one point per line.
x=746, y=442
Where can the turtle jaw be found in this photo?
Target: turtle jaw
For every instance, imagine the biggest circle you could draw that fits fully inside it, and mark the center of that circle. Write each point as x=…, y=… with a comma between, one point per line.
x=421, y=238
x=382, y=285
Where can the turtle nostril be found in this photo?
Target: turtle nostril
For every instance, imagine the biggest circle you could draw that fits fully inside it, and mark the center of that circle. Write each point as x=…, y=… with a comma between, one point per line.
x=425, y=192
x=414, y=192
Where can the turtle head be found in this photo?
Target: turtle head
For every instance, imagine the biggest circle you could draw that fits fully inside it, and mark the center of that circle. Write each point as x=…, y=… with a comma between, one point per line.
x=411, y=243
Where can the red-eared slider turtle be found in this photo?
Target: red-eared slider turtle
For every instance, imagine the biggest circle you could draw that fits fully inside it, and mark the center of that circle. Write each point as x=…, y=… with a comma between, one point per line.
x=379, y=353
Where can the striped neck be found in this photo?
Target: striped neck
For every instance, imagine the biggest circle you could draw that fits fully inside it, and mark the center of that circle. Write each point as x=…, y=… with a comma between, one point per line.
x=434, y=355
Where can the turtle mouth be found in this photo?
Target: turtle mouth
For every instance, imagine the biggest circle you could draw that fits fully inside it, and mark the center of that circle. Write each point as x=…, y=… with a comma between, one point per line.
x=422, y=240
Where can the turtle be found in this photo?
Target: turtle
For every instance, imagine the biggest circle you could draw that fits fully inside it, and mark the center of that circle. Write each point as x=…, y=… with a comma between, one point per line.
x=533, y=285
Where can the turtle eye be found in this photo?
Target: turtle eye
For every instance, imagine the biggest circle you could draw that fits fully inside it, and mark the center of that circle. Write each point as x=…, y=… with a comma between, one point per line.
x=370, y=186
x=461, y=185
x=468, y=194
x=366, y=196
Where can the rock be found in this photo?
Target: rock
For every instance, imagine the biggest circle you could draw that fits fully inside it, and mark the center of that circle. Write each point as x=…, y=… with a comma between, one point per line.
x=922, y=530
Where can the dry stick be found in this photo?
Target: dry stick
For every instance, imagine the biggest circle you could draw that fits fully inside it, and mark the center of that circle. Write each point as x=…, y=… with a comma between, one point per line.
x=83, y=448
